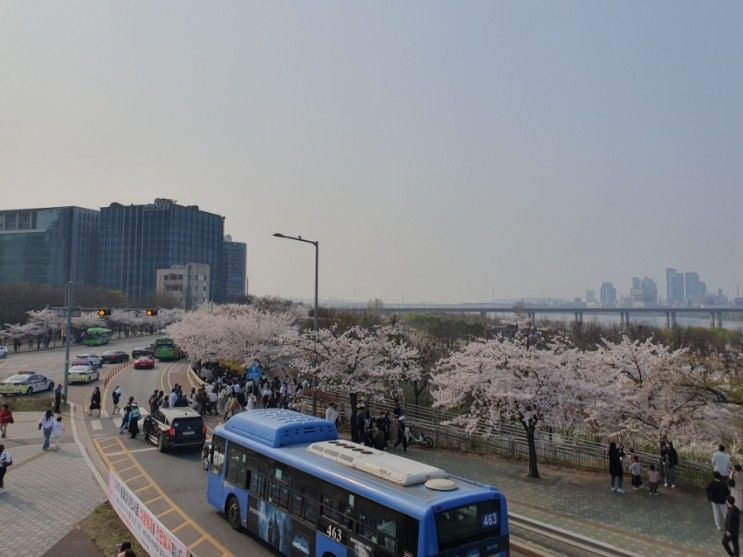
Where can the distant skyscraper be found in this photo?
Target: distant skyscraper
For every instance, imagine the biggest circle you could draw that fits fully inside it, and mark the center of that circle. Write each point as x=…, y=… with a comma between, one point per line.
x=644, y=292
x=608, y=294
x=694, y=291
x=49, y=246
x=186, y=285
x=590, y=296
x=674, y=287
x=234, y=270
x=136, y=240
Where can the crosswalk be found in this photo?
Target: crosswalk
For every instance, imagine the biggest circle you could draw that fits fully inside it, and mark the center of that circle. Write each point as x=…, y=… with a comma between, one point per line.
x=118, y=418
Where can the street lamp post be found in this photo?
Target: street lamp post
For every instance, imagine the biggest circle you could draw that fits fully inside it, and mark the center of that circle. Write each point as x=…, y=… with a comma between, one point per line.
x=314, y=324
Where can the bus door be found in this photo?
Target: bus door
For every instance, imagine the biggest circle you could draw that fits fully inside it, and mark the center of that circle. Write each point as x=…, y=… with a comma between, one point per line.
x=215, y=483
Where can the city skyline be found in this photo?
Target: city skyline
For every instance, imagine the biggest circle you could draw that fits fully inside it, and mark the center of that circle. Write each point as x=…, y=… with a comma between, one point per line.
x=437, y=152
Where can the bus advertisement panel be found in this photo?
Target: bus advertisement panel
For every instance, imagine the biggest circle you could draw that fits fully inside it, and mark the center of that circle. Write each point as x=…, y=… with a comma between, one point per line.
x=288, y=479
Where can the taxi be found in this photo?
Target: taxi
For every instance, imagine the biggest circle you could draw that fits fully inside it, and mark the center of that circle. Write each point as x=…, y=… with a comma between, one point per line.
x=83, y=374
x=26, y=383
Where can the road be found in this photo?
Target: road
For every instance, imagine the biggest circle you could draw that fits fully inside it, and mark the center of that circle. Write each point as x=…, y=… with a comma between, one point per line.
x=172, y=484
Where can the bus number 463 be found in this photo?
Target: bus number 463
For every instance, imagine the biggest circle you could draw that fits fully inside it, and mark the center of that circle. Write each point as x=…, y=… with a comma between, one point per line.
x=334, y=533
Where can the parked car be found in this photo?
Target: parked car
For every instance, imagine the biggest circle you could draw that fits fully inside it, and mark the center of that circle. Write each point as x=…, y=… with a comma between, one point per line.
x=3, y=352
x=83, y=374
x=87, y=360
x=144, y=362
x=175, y=427
x=114, y=357
x=145, y=351
x=26, y=383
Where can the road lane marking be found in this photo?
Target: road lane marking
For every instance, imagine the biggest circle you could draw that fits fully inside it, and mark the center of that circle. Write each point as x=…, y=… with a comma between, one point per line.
x=129, y=451
x=170, y=510
x=96, y=425
x=174, y=508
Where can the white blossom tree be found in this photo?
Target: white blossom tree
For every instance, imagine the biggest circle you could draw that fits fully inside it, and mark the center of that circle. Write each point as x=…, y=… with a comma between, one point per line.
x=232, y=332
x=369, y=361
x=514, y=379
x=646, y=384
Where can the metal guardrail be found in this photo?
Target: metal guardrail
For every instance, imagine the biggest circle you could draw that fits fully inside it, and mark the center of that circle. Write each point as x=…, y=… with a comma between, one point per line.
x=509, y=440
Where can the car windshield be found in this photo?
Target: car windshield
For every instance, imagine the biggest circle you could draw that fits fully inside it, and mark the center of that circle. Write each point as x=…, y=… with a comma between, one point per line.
x=18, y=377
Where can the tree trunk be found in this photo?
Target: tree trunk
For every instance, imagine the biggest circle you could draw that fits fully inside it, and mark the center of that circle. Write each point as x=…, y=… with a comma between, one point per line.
x=531, y=442
x=354, y=402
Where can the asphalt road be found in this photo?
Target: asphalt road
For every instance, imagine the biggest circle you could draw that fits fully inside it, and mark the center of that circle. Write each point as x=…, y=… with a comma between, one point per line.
x=51, y=363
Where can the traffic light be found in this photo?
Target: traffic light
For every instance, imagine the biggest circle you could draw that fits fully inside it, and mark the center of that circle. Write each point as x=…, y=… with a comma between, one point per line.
x=151, y=312
x=104, y=312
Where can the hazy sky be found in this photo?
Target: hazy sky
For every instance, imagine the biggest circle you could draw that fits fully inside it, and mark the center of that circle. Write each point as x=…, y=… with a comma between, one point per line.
x=438, y=151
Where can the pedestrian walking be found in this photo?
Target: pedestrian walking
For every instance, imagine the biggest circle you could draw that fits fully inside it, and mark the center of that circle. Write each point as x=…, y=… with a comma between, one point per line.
x=722, y=463
x=672, y=460
x=402, y=433
x=58, y=399
x=46, y=424
x=731, y=534
x=653, y=480
x=737, y=475
x=250, y=402
x=134, y=416
x=57, y=433
x=717, y=491
x=331, y=413
x=6, y=418
x=125, y=418
x=616, y=456
x=636, y=470
x=5, y=462
x=95, y=402
x=115, y=398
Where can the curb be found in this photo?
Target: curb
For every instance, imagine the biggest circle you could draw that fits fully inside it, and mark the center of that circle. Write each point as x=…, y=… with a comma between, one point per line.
x=96, y=474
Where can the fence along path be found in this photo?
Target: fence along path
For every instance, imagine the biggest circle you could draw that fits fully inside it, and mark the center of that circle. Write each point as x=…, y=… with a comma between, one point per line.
x=509, y=440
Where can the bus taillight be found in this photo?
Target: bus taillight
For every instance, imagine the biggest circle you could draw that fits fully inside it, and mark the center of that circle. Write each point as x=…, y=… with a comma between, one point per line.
x=171, y=432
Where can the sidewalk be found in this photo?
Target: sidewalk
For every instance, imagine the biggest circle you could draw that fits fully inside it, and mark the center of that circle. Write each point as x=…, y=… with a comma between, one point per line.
x=46, y=492
x=678, y=522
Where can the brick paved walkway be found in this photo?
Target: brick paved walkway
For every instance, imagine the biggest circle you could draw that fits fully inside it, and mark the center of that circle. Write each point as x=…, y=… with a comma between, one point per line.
x=47, y=492
x=678, y=522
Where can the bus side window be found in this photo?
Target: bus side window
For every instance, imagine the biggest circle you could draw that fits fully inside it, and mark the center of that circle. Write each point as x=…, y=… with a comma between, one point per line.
x=237, y=466
x=378, y=525
x=217, y=456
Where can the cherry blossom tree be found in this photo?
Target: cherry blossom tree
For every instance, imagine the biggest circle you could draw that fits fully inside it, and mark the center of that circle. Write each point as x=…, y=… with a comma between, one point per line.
x=373, y=361
x=525, y=379
x=648, y=395
x=233, y=332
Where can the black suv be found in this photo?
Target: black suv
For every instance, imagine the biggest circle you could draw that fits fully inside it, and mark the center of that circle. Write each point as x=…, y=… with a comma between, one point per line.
x=175, y=427
x=147, y=351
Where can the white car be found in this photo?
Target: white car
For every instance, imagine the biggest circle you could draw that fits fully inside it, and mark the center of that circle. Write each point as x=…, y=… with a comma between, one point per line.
x=83, y=374
x=26, y=383
x=3, y=352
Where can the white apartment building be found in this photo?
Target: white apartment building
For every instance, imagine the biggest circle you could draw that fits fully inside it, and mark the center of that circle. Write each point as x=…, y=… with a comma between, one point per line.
x=187, y=285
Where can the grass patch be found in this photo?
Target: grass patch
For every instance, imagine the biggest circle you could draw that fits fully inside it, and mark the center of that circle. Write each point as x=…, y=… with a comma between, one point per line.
x=29, y=403
x=105, y=530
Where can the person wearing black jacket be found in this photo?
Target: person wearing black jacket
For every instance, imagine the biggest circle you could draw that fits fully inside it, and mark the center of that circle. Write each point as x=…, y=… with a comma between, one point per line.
x=672, y=460
x=717, y=492
x=616, y=458
x=732, y=528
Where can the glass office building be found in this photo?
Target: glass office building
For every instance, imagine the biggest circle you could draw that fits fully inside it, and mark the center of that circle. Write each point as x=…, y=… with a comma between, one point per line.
x=234, y=270
x=136, y=240
x=49, y=246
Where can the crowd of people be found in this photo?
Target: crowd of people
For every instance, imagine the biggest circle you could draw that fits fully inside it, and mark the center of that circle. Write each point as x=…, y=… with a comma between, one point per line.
x=724, y=492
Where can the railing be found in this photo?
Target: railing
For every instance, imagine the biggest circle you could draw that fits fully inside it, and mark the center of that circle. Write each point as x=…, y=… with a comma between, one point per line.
x=509, y=440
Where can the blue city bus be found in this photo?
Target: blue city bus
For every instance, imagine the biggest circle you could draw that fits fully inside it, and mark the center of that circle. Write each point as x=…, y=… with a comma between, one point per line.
x=289, y=480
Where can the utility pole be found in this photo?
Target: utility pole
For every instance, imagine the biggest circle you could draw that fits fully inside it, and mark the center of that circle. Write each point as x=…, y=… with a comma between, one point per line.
x=68, y=334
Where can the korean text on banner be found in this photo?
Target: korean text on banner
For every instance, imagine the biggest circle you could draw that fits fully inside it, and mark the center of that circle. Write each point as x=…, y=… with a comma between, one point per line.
x=149, y=531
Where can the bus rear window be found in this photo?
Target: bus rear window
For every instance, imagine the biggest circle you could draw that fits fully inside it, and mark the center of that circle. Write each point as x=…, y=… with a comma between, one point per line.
x=468, y=523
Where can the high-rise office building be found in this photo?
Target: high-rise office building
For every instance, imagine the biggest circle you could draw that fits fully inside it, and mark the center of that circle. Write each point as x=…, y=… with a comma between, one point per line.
x=694, y=290
x=674, y=287
x=608, y=294
x=644, y=292
x=49, y=246
x=234, y=270
x=136, y=240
